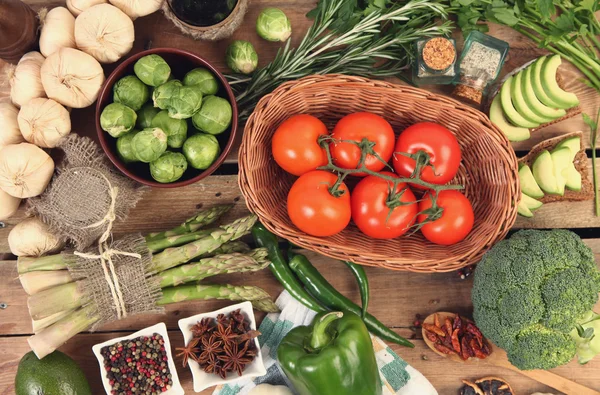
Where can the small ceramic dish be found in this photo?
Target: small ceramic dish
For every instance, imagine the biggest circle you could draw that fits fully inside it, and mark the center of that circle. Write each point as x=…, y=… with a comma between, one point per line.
x=161, y=329
x=203, y=380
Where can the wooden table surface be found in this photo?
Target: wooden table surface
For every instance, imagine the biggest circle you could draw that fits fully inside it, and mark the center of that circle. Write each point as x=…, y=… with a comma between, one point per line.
x=396, y=297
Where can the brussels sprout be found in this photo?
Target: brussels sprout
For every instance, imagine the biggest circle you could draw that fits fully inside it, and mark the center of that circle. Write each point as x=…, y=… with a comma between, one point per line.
x=124, y=149
x=181, y=101
x=169, y=167
x=203, y=79
x=145, y=116
x=273, y=25
x=176, y=129
x=117, y=119
x=201, y=150
x=214, y=116
x=242, y=57
x=131, y=92
x=149, y=144
x=152, y=70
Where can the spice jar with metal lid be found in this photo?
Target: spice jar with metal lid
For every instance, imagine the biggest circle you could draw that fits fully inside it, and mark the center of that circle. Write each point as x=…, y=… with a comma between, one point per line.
x=435, y=63
x=471, y=85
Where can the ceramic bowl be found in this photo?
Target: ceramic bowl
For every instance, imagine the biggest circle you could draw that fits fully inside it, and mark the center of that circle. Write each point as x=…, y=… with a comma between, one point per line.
x=161, y=329
x=204, y=380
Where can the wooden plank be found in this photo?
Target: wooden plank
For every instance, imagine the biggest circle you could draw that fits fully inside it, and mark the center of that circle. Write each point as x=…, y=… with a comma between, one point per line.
x=445, y=375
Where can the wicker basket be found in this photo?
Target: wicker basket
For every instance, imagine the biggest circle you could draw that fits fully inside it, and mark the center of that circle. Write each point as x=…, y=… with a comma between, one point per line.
x=488, y=169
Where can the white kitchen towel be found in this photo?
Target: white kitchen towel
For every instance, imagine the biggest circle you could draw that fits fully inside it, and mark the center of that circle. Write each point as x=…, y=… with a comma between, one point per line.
x=397, y=376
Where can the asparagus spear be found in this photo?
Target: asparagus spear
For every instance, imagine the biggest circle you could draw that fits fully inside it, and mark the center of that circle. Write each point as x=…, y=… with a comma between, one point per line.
x=219, y=264
x=205, y=292
x=265, y=305
x=155, y=245
x=34, y=282
x=54, y=300
x=38, y=325
x=26, y=264
x=228, y=248
x=54, y=336
x=172, y=257
x=203, y=218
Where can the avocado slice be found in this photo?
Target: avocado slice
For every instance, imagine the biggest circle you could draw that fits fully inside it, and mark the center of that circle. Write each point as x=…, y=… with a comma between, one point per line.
x=573, y=143
x=561, y=157
x=563, y=98
x=538, y=87
x=509, y=110
x=521, y=105
x=543, y=172
x=571, y=174
x=523, y=210
x=532, y=100
x=528, y=184
x=530, y=202
x=512, y=133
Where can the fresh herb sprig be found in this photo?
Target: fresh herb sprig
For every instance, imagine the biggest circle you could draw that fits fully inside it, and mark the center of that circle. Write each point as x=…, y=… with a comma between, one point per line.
x=593, y=140
x=340, y=41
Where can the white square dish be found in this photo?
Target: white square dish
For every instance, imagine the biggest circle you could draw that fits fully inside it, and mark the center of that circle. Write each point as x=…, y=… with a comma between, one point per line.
x=203, y=380
x=161, y=329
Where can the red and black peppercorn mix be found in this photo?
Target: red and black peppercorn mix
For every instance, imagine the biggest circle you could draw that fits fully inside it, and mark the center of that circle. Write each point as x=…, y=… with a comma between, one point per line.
x=138, y=366
x=222, y=345
x=459, y=336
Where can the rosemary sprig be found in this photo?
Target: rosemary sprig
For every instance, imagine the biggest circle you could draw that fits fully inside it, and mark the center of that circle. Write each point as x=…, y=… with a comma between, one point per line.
x=383, y=36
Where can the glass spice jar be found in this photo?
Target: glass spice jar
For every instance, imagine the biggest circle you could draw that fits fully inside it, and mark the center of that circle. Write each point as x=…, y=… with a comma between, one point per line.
x=435, y=63
x=471, y=85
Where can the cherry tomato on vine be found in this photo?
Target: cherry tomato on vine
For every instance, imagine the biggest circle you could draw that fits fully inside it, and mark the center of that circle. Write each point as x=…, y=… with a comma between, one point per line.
x=371, y=207
x=312, y=207
x=438, y=142
x=295, y=144
x=456, y=221
x=356, y=127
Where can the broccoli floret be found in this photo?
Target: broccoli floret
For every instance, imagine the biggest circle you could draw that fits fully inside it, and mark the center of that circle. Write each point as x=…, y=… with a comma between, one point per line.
x=531, y=290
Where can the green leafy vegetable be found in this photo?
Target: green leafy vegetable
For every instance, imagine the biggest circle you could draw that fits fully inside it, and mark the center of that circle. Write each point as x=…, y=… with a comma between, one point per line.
x=593, y=140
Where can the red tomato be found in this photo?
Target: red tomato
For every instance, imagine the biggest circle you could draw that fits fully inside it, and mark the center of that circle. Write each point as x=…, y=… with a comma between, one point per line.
x=371, y=213
x=438, y=142
x=357, y=127
x=313, y=209
x=456, y=221
x=295, y=146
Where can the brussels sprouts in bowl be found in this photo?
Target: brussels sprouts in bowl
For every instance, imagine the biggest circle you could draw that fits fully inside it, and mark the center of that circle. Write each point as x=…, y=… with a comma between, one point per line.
x=153, y=104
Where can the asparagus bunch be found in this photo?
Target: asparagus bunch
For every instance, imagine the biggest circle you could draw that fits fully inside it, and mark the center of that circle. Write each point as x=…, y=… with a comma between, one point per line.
x=60, y=308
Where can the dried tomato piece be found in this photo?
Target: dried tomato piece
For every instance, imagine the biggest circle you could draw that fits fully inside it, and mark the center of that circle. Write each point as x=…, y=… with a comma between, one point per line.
x=434, y=329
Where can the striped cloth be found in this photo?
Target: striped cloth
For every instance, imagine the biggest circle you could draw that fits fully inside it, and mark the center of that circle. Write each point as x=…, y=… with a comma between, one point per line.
x=396, y=375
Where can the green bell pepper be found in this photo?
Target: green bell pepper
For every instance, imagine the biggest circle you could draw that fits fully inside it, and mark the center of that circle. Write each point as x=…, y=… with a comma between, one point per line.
x=333, y=356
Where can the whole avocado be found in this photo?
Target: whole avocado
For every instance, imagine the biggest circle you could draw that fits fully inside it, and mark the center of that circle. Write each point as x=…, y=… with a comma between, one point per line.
x=56, y=374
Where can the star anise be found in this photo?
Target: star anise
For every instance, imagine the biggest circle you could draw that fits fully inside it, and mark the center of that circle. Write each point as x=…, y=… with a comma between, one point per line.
x=189, y=352
x=226, y=334
x=223, y=320
x=238, y=316
x=210, y=346
x=201, y=327
x=235, y=359
x=246, y=336
x=213, y=365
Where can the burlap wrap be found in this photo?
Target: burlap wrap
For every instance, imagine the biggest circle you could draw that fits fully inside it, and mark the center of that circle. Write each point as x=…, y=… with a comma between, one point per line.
x=116, y=284
x=85, y=195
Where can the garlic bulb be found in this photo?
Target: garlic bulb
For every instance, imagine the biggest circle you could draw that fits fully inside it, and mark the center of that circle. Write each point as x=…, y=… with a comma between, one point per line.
x=9, y=126
x=78, y=6
x=58, y=30
x=105, y=32
x=32, y=237
x=72, y=78
x=44, y=122
x=8, y=205
x=25, y=170
x=137, y=8
x=25, y=82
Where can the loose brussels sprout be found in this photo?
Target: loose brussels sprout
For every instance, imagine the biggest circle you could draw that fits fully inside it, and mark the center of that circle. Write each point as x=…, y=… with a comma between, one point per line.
x=176, y=129
x=214, y=116
x=273, y=25
x=203, y=79
x=241, y=57
x=152, y=70
x=149, y=144
x=169, y=167
x=181, y=101
x=145, y=116
x=201, y=150
x=131, y=92
x=117, y=119
x=124, y=149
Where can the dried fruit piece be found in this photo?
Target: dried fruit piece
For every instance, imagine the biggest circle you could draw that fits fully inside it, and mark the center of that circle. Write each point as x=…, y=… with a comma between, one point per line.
x=470, y=388
x=494, y=386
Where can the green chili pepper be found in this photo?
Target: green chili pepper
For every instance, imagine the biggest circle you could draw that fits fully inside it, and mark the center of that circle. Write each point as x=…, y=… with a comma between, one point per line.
x=363, y=285
x=280, y=268
x=324, y=292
